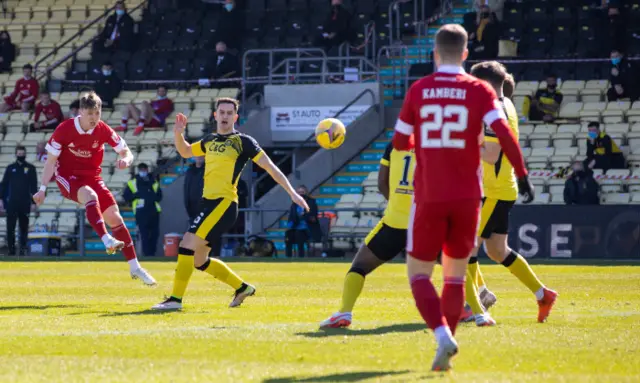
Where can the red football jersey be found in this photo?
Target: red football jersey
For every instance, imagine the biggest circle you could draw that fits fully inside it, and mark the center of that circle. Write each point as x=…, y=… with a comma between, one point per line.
x=446, y=110
x=162, y=108
x=80, y=153
x=25, y=90
x=52, y=112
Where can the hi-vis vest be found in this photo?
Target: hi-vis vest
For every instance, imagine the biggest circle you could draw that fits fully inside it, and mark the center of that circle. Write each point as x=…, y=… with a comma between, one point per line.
x=134, y=189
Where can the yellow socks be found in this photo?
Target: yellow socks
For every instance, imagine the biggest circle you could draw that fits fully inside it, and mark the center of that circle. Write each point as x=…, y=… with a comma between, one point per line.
x=479, y=278
x=221, y=272
x=519, y=267
x=353, y=284
x=471, y=293
x=184, y=269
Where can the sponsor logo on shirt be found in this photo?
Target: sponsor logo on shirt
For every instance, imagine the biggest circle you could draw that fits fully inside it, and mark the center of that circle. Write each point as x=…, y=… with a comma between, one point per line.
x=81, y=153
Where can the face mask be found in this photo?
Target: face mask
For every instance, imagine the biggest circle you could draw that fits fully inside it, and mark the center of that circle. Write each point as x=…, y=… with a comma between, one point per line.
x=142, y=173
x=161, y=97
x=593, y=135
x=616, y=60
x=106, y=72
x=21, y=158
x=228, y=7
x=119, y=12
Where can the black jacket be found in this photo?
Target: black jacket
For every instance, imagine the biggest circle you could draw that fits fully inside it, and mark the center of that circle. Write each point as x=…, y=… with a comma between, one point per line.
x=19, y=184
x=108, y=88
x=581, y=189
x=8, y=53
x=125, y=25
x=338, y=22
x=310, y=217
x=626, y=77
x=225, y=65
x=193, y=188
x=147, y=189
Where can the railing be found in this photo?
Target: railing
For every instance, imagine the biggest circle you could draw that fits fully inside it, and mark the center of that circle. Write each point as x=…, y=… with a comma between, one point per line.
x=369, y=44
x=173, y=83
x=303, y=144
x=365, y=68
x=72, y=39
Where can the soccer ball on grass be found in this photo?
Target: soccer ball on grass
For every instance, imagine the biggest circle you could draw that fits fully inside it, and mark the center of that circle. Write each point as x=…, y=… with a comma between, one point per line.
x=330, y=133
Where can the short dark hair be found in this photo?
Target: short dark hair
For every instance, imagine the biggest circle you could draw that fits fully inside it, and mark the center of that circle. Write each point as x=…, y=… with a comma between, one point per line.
x=90, y=100
x=552, y=75
x=27, y=66
x=107, y=63
x=142, y=165
x=509, y=85
x=45, y=92
x=594, y=124
x=490, y=71
x=20, y=147
x=75, y=105
x=228, y=100
x=162, y=86
x=451, y=40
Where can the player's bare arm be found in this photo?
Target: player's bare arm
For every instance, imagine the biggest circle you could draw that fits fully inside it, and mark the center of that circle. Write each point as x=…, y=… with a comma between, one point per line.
x=47, y=175
x=491, y=152
x=182, y=146
x=383, y=181
x=265, y=163
x=125, y=160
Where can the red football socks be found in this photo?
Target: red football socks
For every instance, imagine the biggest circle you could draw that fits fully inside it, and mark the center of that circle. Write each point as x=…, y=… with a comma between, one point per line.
x=94, y=216
x=452, y=300
x=121, y=233
x=427, y=301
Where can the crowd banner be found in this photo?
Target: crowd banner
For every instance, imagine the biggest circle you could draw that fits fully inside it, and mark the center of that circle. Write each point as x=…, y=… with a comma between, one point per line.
x=566, y=232
x=303, y=119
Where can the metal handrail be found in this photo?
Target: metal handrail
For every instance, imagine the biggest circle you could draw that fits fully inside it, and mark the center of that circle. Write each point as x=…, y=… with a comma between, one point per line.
x=78, y=48
x=393, y=8
x=325, y=72
x=306, y=142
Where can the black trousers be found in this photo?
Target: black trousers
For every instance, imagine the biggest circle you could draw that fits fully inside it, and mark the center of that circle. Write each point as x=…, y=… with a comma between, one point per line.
x=22, y=217
x=149, y=232
x=295, y=237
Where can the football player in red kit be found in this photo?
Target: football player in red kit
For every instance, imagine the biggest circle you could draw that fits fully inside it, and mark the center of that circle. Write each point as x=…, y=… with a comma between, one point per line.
x=74, y=155
x=151, y=114
x=446, y=112
x=51, y=111
x=25, y=93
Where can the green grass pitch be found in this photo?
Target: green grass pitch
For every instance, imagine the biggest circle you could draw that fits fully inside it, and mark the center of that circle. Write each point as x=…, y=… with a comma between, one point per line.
x=86, y=321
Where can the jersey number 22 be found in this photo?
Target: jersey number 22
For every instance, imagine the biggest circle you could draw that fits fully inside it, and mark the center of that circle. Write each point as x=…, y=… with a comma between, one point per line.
x=438, y=113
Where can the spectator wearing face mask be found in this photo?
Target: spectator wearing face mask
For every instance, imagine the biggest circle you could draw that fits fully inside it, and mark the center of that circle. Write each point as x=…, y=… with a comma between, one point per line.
x=602, y=152
x=74, y=109
x=144, y=194
x=301, y=224
x=336, y=28
x=485, y=35
x=622, y=78
x=18, y=185
x=225, y=65
x=118, y=31
x=231, y=23
x=51, y=111
x=581, y=188
x=151, y=114
x=108, y=85
x=618, y=34
x=545, y=104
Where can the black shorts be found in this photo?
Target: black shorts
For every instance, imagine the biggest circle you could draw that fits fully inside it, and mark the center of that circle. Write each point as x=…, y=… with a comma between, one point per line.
x=385, y=242
x=217, y=216
x=494, y=217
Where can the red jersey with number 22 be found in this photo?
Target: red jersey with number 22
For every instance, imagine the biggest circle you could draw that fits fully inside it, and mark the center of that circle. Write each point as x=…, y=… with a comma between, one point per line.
x=80, y=153
x=446, y=112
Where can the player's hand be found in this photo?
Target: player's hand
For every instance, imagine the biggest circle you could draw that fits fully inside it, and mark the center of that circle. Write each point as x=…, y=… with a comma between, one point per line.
x=39, y=197
x=122, y=164
x=298, y=200
x=181, y=124
x=525, y=189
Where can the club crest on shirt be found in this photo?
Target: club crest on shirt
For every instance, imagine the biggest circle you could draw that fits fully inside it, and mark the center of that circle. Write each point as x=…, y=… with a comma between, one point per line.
x=95, y=144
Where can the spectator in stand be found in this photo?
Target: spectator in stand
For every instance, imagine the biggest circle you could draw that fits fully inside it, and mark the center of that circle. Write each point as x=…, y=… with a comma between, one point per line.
x=545, y=104
x=74, y=109
x=51, y=111
x=225, y=65
x=41, y=151
x=617, y=29
x=25, y=93
x=497, y=6
x=581, y=188
x=108, y=86
x=622, y=78
x=144, y=194
x=118, y=31
x=336, y=28
x=484, y=38
x=602, y=152
x=300, y=224
x=7, y=52
x=152, y=114
x=231, y=23
x=19, y=183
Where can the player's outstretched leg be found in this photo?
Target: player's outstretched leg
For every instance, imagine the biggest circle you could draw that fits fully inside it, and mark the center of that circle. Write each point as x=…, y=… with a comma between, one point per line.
x=89, y=198
x=363, y=264
x=487, y=298
x=499, y=251
x=121, y=233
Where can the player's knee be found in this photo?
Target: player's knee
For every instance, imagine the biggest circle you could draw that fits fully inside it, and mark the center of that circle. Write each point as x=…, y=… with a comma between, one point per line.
x=359, y=270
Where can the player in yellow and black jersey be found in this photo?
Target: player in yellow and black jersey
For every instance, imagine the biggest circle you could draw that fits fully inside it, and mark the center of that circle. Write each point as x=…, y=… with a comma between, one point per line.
x=226, y=153
x=388, y=238
x=500, y=194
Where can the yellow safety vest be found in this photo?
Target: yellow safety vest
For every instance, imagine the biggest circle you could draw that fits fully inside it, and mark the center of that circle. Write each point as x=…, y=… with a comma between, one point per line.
x=133, y=186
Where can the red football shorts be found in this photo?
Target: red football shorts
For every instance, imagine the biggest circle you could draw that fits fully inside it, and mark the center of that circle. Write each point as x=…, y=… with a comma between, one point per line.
x=154, y=123
x=69, y=188
x=448, y=226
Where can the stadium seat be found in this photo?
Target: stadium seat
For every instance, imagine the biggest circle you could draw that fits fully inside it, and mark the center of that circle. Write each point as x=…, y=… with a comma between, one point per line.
x=349, y=201
x=615, y=198
x=570, y=110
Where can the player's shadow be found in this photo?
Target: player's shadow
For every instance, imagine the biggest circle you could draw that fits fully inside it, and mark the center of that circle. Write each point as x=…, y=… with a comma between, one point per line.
x=40, y=307
x=343, y=377
x=394, y=328
x=142, y=312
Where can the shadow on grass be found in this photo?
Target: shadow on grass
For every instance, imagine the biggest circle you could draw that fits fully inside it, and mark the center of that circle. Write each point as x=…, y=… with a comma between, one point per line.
x=40, y=307
x=402, y=327
x=344, y=377
x=142, y=312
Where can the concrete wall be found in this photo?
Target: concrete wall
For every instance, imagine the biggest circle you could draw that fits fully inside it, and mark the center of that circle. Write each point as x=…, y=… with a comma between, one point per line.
x=258, y=127
x=318, y=94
